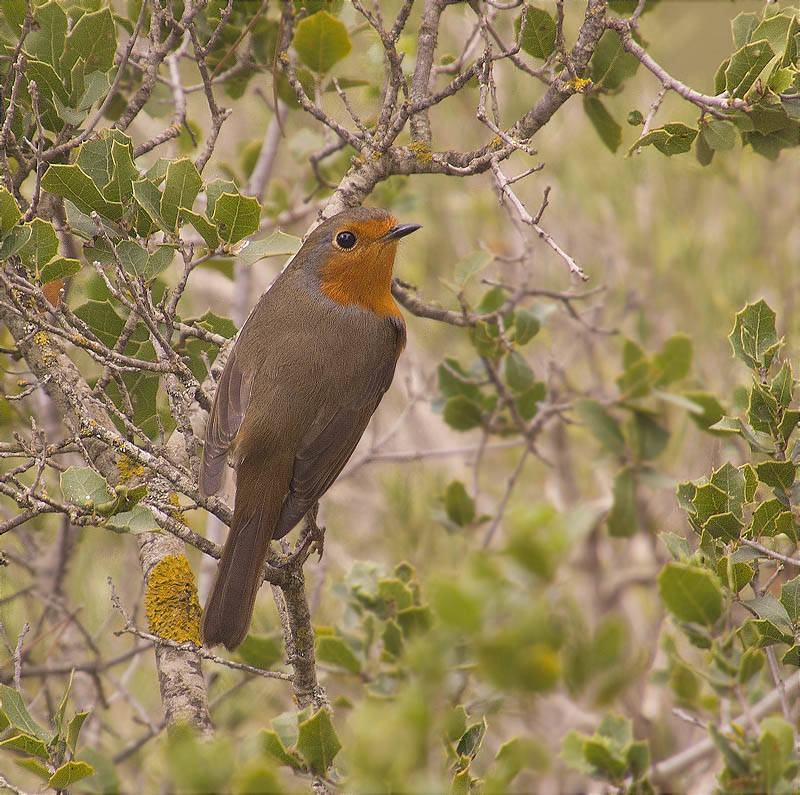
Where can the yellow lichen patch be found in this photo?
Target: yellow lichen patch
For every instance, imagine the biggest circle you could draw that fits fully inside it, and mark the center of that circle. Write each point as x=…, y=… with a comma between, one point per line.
x=178, y=514
x=579, y=83
x=173, y=610
x=422, y=150
x=128, y=469
x=40, y=338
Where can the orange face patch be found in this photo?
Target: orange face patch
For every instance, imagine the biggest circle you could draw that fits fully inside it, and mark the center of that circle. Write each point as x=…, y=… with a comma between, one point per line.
x=362, y=275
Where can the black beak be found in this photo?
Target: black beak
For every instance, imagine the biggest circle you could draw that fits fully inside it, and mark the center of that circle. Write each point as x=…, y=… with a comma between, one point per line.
x=401, y=230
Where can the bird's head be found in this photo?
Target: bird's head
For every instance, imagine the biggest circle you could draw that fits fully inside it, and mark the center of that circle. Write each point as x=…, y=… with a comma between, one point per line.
x=353, y=254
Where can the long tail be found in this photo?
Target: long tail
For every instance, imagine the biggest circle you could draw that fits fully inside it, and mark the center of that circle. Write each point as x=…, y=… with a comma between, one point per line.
x=259, y=495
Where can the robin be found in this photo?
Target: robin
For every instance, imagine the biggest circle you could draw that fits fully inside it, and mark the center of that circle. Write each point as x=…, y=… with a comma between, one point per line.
x=309, y=368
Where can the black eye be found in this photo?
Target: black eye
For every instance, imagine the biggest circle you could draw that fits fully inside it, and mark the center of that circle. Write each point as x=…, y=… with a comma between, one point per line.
x=345, y=239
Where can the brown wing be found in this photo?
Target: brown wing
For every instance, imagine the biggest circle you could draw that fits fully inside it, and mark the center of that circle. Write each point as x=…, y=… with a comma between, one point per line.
x=230, y=405
x=326, y=448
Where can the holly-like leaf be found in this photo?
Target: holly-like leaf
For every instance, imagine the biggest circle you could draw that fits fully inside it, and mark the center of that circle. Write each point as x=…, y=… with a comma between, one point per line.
x=320, y=41
x=317, y=740
x=73, y=183
x=18, y=717
x=671, y=139
x=790, y=599
x=745, y=66
x=182, y=185
x=778, y=474
x=9, y=211
x=27, y=744
x=94, y=39
x=236, y=216
x=754, y=339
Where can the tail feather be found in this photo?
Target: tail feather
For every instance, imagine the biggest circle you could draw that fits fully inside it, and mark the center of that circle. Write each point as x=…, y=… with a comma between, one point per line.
x=227, y=615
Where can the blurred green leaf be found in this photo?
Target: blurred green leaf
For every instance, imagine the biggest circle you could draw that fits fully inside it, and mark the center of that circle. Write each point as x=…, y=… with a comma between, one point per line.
x=690, y=593
x=602, y=425
x=320, y=41
x=603, y=122
x=518, y=374
x=470, y=742
x=526, y=326
x=277, y=244
x=790, y=599
x=610, y=65
x=334, y=650
x=462, y=414
x=459, y=505
x=674, y=362
x=623, y=518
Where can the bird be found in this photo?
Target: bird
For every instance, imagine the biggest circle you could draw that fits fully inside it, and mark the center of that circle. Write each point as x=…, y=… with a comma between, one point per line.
x=308, y=369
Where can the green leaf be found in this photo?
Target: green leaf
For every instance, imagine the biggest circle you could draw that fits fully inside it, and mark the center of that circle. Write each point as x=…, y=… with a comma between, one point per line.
x=690, y=593
x=69, y=773
x=450, y=385
x=278, y=244
x=47, y=40
x=35, y=767
x=782, y=386
x=602, y=425
x=719, y=134
x=59, y=268
x=273, y=746
x=518, y=374
x=649, y=438
x=334, y=650
x=460, y=507
x=455, y=606
x=18, y=716
x=159, y=261
x=74, y=729
x=775, y=30
x=769, y=608
x=9, y=211
x=392, y=638
x=96, y=87
x=623, y=518
x=750, y=481
x=214, y=190
x=790, y=599
x=470, y=742
x=611, y=65
x=203, y=227
x=778, y=474
x=762, y=411
x=764, y=518
x=671, y=139
x=260, y=651
x=526, y=326
x=137, y=520
x=731, y=481
x=792, y=656
x=320, y=41
x=73, y=183
x=42, y=245
x=603, y=122
x=101, y=318
x=470, y=265
x=413, y=620
x=180, y=190
x=27, y=745
x=745, y=66
x=768, y=633
x=236, y=216
x=725, y=526
x=317, y=740
x=704, y=153
x=677, y=545
x=462, y=414
x=124, y=173
x=93, y=38
x=637, y=755
x=674, y=362
x=742, y=25
x=84, y=487
x=598, y=753
x=149, y=198
x=15, y=240
x=539, y=34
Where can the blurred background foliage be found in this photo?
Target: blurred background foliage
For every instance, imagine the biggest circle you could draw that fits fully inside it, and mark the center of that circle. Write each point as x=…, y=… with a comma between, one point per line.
x=446, y=661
